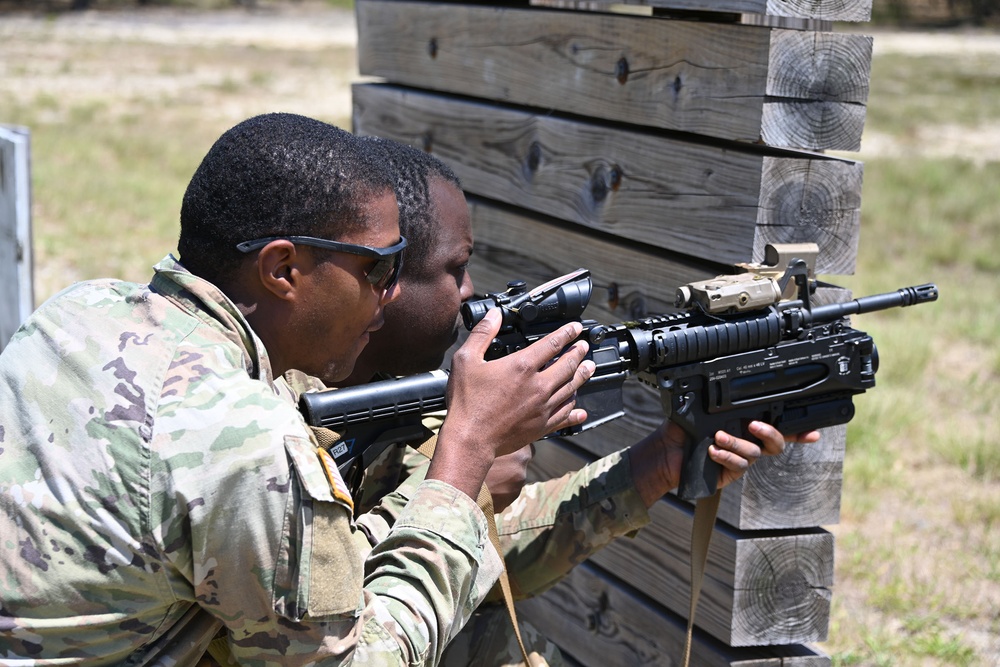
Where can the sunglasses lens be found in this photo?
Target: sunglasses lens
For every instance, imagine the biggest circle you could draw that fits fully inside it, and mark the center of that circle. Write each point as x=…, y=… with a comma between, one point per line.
x=385, y=272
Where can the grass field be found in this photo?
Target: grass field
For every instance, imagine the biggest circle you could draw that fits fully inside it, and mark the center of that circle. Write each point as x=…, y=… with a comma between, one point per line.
x=918, y=546
x=119, y=124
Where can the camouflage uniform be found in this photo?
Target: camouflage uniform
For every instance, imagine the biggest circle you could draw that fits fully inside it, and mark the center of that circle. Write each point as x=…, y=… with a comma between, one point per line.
x=550, y=528
x=156, y=485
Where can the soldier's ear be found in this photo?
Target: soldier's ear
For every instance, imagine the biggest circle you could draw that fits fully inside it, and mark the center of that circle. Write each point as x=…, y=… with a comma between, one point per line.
x=278, y=269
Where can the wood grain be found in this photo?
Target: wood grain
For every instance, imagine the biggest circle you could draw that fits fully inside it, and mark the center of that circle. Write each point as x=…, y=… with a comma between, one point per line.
x=600, y=621
x=781, y=87
x=720, y=203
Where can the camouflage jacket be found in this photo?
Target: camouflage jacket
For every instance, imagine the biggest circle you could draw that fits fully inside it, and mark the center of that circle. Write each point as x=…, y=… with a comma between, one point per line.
x=156, y=485
x=551, y=527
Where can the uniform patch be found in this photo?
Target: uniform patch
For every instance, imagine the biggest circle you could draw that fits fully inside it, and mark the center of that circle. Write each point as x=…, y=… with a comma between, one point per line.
x=336, y=567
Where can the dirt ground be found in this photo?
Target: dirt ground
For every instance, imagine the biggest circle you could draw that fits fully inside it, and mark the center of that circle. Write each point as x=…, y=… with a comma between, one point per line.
x=296, y=25
x=939, y=142
x=305, y=26
x=309, y=26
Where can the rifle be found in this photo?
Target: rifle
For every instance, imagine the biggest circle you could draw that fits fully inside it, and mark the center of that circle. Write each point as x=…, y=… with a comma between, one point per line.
x=743, y=347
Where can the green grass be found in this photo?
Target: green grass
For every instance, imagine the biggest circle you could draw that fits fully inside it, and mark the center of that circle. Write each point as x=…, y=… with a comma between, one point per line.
x=931, y=221
x=111, y=227
x=922, y=621
x=107, y=193
x=933, y=418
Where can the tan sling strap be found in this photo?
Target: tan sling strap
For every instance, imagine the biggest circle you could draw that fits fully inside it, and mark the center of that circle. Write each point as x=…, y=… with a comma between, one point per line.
x=219, y=649
x=325, y=438
x=485, y=502
x=705, y=511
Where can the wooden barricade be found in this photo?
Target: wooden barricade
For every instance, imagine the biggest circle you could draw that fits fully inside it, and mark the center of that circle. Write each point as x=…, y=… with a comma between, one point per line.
x=653, y=146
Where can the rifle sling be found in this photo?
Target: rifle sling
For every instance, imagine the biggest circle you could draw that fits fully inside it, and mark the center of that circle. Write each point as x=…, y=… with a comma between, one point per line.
x=485, y=502
x=705, y=511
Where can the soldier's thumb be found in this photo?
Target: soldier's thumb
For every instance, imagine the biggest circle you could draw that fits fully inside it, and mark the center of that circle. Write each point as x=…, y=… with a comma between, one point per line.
x=484, y=332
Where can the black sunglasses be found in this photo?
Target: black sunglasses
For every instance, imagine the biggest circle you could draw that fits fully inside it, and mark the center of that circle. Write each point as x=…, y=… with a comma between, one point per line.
x=383, y=275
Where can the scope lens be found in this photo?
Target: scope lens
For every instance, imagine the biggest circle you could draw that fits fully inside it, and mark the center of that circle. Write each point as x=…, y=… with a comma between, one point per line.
x=474, y=311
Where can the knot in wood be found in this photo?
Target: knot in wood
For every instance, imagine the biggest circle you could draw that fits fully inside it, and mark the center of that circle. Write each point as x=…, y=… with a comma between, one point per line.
x=621, y=70
x=595, y=619
x=432, y=47
x=534, y=156
x=604, y=179
x=598, y=187
x=612, y=295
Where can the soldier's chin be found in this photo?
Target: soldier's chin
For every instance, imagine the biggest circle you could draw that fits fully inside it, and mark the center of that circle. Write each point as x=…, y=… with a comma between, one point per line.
x=437, y=361
x=341, y=369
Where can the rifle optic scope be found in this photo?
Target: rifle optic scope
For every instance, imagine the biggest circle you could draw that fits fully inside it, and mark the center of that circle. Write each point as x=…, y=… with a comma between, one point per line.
x=558, y=301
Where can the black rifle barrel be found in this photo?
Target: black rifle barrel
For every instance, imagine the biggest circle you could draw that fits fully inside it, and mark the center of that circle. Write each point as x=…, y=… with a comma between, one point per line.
x=655, y=342
x=675, y=340
x=904, y=296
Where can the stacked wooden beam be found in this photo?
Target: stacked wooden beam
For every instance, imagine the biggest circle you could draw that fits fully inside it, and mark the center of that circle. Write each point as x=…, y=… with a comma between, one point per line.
x=654, y=147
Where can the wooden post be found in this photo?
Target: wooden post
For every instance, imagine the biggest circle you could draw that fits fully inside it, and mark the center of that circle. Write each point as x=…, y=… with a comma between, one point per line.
x=16, y=294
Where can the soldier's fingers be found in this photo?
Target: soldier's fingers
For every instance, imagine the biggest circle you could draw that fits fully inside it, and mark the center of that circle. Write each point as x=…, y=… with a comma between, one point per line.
x=804, y=437
x=567, y=415
x=772, y=441
x=568, y=365
x=733, y=453
x=543, y=351
x=566, y=377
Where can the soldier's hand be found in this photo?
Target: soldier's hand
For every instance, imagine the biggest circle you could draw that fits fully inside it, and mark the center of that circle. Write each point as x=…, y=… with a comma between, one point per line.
x=496, y=407
x=507, y=476
x=656, y=460
x=735, y=455
x=521, y=397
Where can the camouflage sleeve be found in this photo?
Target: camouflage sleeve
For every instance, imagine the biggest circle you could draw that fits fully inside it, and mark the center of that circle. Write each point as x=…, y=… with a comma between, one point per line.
x=552, y=526
x=555, y=525
x=379, y=519
x=252, y=513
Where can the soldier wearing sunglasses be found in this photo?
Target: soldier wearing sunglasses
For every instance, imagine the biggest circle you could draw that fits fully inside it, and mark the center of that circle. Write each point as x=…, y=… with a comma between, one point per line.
x=159, y=490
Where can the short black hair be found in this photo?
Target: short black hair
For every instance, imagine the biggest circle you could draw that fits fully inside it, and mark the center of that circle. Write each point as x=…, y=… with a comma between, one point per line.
x=274, y=175
x=412, y=170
